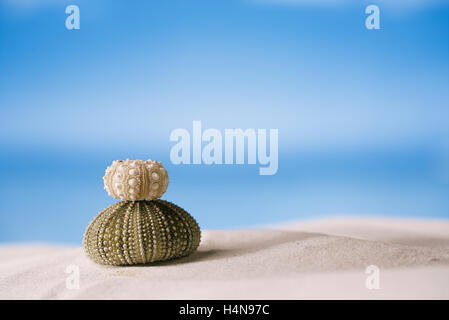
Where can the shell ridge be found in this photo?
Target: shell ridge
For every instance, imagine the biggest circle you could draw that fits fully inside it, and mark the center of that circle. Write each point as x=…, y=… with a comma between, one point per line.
x=125, y=233
x=152, y=234
x=168, y=236
x=106, y=231
x=115, y=240
x=115, y=232
x=139, y=234
x=146, y=180
x=161, y=234
x=145, y=233
x=98, y=237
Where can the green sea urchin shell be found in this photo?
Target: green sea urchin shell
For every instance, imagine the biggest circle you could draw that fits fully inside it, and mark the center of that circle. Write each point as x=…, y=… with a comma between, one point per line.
x=137, y=232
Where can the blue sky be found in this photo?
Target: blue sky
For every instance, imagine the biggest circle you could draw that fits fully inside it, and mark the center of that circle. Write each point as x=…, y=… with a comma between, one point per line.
x=362, y=114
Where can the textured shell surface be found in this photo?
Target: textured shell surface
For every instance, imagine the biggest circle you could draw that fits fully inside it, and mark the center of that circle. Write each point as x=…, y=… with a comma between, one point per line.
x=139, y=232
x=136, y=179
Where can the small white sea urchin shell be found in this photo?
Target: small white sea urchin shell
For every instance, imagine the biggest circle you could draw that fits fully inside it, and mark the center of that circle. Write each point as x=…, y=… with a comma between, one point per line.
x=136, y=179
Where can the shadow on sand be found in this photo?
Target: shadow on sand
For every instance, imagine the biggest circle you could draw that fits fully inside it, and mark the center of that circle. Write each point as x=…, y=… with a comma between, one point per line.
x=252, y=241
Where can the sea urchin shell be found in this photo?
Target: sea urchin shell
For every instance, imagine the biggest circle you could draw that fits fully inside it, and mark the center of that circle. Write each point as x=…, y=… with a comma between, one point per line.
x=136, y=179
x=137, y=232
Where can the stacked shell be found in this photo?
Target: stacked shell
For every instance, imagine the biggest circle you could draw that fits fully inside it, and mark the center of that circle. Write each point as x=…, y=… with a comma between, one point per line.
x=136, y=179
x=137, y=230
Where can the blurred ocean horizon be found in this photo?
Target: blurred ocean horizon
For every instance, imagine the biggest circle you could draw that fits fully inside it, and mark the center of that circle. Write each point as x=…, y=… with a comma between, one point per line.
x=53, y=196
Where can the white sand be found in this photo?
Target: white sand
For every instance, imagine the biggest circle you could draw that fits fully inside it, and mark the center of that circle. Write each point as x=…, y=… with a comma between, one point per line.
x=317, y=259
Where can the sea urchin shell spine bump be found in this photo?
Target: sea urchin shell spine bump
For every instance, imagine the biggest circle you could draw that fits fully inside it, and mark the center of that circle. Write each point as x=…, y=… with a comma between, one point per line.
x=137, y=232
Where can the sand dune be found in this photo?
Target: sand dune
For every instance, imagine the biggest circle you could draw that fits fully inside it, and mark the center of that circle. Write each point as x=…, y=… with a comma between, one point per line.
x=317, y=259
